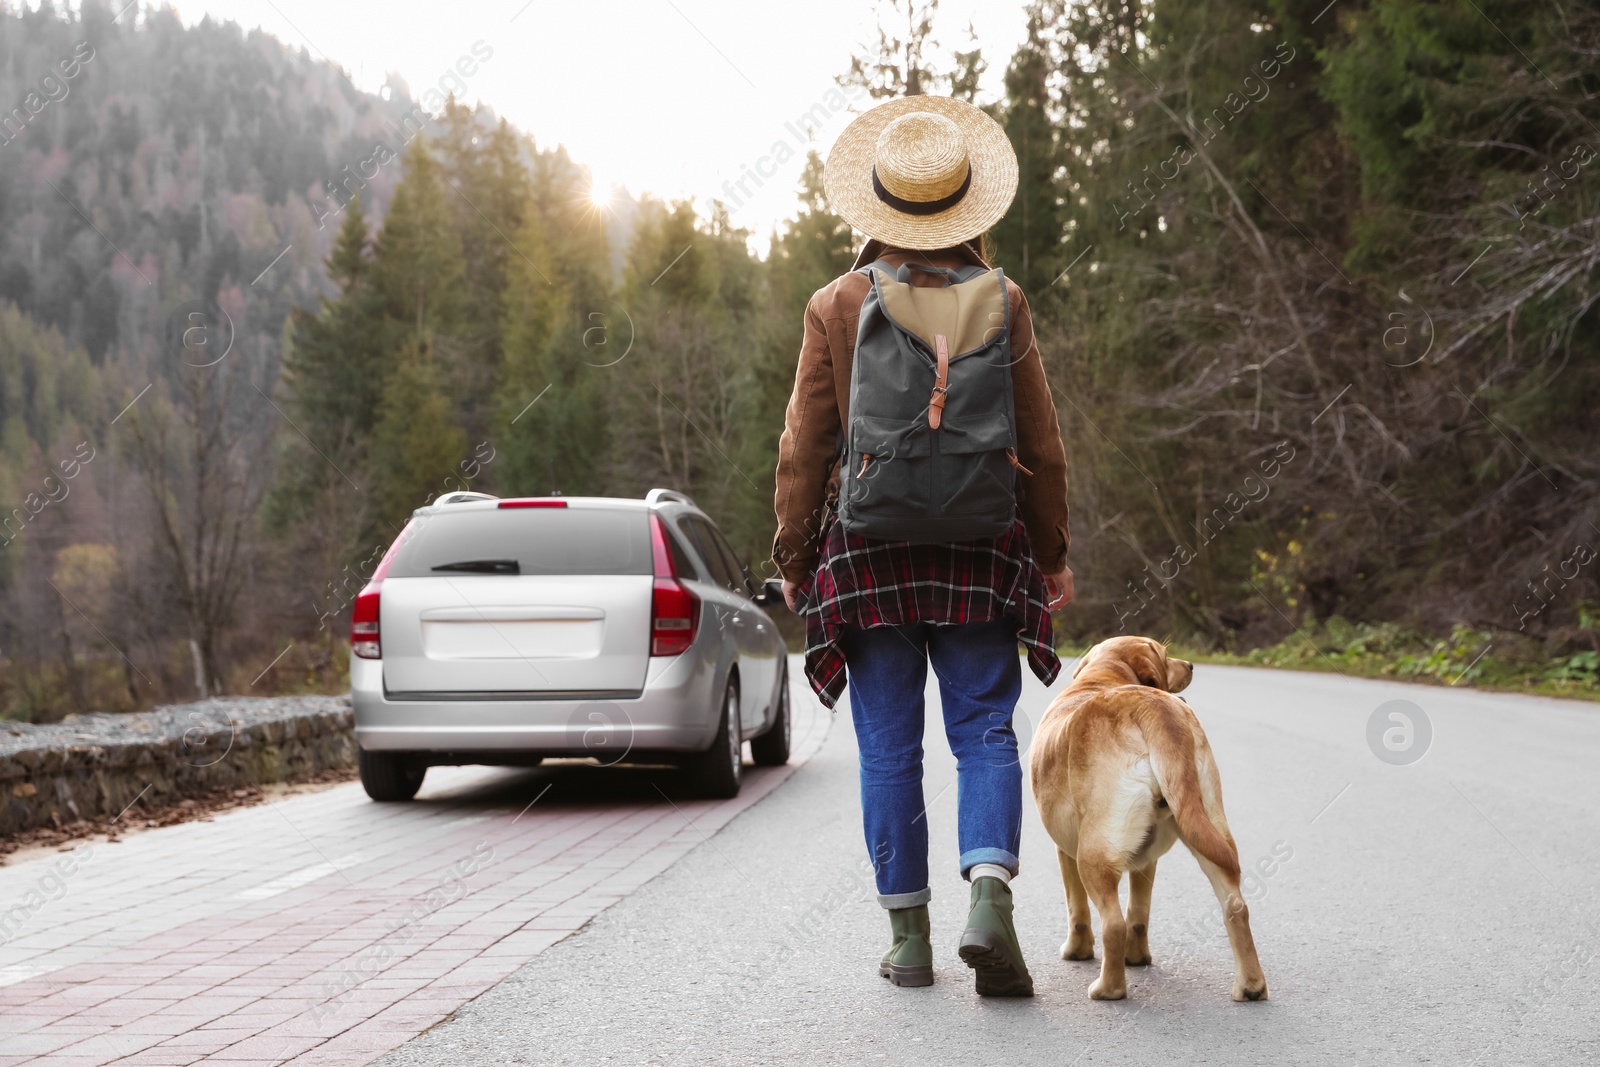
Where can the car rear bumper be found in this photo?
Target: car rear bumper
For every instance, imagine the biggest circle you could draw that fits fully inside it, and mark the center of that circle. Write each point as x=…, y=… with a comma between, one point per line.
x=675, y=712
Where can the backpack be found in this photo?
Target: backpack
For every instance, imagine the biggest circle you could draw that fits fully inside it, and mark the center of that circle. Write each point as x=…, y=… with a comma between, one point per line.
x=930, y=451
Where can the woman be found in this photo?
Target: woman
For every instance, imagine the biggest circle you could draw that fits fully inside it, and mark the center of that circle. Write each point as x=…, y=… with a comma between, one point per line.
x=923, y=178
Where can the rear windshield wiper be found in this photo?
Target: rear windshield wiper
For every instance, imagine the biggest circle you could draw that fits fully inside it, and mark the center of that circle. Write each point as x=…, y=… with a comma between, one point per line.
x=483, y=566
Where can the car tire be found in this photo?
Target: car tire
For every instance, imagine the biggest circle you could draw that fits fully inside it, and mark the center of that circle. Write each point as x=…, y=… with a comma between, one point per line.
x=716, y=771
x=771, y=749
x=390, y=776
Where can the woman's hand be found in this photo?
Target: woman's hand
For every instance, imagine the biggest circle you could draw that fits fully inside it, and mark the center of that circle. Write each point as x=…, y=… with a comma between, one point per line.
x=1058, y=587
x=791, y=594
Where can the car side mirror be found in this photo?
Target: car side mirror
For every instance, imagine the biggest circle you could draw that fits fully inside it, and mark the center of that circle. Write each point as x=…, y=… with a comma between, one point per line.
x=770, y=594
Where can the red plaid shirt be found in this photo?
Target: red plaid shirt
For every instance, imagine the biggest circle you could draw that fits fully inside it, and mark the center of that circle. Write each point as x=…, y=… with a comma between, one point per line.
x=864, y=583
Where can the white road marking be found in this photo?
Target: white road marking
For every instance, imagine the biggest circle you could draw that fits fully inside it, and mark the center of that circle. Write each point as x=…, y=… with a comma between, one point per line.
x=304, y=876
x=22, y=972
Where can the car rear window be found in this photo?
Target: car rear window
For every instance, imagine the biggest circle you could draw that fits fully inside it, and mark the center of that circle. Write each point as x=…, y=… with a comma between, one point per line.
x=541, y=540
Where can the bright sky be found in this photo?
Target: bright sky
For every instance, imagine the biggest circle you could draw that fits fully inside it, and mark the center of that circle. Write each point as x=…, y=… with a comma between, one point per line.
x=673, y=97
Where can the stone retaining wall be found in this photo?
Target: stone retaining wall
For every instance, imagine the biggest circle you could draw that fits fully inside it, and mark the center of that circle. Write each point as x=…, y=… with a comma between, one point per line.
x=93, y=766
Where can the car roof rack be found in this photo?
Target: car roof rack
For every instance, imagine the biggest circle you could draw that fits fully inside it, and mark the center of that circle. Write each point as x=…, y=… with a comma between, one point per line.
x=463, y=497
x=666, y=496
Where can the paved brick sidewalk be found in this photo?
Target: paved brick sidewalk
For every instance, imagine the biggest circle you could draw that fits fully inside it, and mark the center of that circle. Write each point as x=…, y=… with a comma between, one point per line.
x=326, y=929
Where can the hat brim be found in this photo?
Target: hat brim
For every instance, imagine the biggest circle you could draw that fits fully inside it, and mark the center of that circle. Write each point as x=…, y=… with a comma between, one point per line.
x=847, y=177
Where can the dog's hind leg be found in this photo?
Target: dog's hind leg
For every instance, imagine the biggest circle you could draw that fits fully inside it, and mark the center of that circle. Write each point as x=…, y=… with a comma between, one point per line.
x=1079, y=944
x=1248, y=981
x=1142, y=881
x=1100, y=879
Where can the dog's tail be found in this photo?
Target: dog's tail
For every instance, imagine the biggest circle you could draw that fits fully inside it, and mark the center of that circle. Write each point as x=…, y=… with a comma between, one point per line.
x=1175, y=761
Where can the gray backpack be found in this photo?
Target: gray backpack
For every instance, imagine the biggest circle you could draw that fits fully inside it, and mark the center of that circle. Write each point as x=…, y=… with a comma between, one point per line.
x=930, y=451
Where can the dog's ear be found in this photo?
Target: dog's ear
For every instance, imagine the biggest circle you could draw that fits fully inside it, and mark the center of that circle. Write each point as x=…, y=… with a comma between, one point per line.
x=1150, y=667
x=1083, y=660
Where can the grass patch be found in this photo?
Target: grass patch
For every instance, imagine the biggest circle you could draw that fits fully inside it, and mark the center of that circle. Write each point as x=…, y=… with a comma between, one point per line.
x=1467, y=658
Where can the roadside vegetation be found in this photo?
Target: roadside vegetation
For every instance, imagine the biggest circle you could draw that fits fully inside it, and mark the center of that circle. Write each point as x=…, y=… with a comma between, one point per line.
x=1473, y=658
x=1467, y=657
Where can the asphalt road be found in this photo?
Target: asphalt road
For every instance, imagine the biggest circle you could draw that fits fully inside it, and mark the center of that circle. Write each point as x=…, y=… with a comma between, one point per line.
x=1439, y=912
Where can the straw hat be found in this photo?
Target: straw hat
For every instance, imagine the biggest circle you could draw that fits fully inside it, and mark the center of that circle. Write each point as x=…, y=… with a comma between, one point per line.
x=921, y=172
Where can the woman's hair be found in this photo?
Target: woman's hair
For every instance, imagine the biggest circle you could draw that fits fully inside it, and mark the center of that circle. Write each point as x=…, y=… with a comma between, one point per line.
x=978, y=245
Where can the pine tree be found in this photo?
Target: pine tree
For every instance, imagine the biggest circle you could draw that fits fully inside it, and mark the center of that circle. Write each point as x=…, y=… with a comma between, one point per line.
x=902, y=61
x=489, y=190
x=566, y=340
x=1027, y=242
x=418, y=275
x=407, y=296
x=416, y=444
x=815, y=247
x=334, y=368
x=967, y=69
x=348, y=262
x=541, y=419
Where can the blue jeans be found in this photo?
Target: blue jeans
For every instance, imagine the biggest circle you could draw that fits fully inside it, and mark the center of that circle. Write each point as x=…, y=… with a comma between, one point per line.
x=980, y=678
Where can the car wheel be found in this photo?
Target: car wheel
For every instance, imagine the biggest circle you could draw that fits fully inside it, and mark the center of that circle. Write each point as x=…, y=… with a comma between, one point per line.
x=771, y=749
x=390, y=776
x=717, y=770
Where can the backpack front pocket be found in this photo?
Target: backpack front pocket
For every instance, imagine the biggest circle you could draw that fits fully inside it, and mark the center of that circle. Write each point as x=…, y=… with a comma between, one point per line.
x=973, y=474
x=889, y=478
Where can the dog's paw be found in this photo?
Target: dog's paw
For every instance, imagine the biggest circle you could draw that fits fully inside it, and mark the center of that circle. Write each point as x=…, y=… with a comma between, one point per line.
x=1137, y=951
x=1079, y=946
x=1103, y=990
x=1074, y=949
x=1248, y=989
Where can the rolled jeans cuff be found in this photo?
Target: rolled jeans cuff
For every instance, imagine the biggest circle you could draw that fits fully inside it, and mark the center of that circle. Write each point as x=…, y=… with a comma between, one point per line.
x=896, y=901
x=973, y=857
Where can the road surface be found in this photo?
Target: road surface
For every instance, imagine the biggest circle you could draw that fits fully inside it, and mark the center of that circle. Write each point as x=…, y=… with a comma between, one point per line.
x=326, y=929
x=1440, y=911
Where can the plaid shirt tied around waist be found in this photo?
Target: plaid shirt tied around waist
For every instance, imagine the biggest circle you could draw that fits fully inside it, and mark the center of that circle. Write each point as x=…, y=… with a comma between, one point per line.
x=864, y=583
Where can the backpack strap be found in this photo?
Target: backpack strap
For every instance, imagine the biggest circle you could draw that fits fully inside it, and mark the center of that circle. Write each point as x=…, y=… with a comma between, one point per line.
x=903, y=274
x=941, y=382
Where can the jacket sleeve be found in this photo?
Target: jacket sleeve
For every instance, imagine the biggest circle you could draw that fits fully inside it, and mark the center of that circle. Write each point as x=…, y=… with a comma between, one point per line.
x=806, y=453
x=1039, y=448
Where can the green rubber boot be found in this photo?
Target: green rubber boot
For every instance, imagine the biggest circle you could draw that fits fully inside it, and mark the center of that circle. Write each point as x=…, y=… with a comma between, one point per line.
x=909, y=961
x=989, y=946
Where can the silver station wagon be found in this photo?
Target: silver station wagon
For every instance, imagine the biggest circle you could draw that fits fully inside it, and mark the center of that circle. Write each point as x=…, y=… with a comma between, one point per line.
x=506, y=631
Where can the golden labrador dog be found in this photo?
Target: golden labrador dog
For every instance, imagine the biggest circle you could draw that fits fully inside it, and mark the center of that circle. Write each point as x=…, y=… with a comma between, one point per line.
x=1121, y=770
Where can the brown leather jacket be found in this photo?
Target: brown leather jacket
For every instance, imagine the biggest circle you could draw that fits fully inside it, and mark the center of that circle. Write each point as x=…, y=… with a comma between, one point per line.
x=807, y=460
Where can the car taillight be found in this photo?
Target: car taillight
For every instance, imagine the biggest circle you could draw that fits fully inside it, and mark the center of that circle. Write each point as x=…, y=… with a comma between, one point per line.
x=364, y=638
x=674, y=610
x=533, y=502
